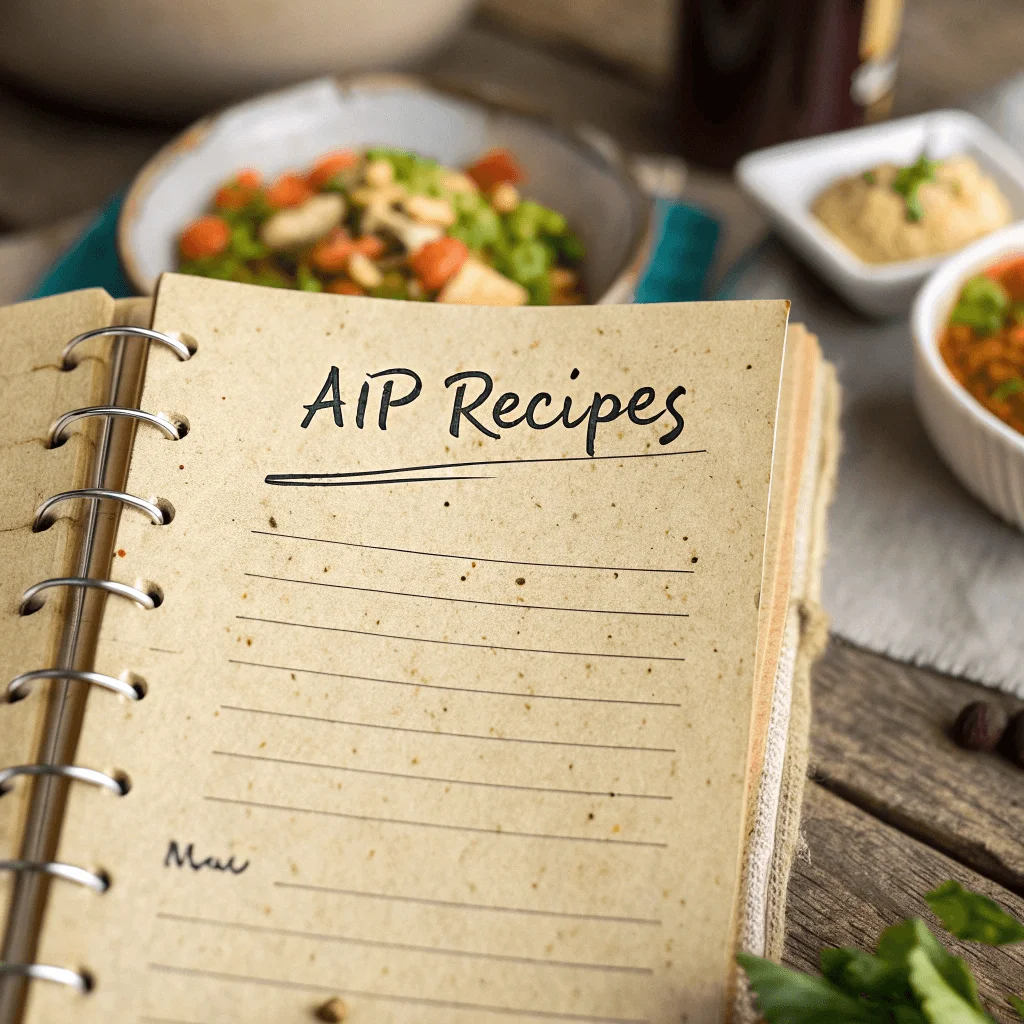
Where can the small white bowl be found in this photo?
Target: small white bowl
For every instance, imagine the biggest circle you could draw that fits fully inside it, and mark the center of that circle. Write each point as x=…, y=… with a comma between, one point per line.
x=785, y=180
x=983, y=451
x=577, y=171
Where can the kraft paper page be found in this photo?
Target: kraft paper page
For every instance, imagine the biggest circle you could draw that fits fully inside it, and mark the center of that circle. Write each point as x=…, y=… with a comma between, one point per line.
x=34, y=391
x=454, y=727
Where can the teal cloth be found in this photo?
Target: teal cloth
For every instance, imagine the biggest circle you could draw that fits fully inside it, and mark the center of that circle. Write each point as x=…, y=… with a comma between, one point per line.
x=683, y=251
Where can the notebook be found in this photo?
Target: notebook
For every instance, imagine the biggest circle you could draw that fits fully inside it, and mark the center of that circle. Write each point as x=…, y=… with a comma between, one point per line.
x=450, y=662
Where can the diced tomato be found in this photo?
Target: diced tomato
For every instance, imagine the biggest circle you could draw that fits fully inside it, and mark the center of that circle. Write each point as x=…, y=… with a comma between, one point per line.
x=370, y=246
x=207, y=236
x=438, y=262
x=494, y=167
x=328, y=166
x=343, y=287
x=331, y=253
x=289, y=190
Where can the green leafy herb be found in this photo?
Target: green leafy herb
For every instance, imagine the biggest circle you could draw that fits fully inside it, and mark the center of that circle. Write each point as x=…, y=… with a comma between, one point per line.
x=910, y=979
x=786, y=996
x=909, y=180
x=969, y=915
x=939, y=1001
x=983, y=305
x=869, y=177
x=1009, y=388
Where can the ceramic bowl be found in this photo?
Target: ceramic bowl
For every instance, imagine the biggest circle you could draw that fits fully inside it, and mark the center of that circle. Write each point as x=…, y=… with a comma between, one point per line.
x=785, y=180
x=578, y=173
x=984, y=452
x=179, y=58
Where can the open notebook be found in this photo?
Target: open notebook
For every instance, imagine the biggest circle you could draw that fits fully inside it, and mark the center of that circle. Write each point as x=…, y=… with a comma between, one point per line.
x=475, y=685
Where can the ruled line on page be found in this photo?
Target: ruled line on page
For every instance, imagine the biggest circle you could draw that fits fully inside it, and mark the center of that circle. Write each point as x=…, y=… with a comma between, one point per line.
x=445, y=1004
x=325, y=479
x=406, y=947
x=460, y=689
x=449, y=735
x=432, y=778
x=457, y=643
x=468, y=558
x=469, y=600
x=457, y=905
x=442, y=826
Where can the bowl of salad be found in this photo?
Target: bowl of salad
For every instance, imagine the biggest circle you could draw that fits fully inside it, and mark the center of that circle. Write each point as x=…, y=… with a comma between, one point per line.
x=968, y=324
x=388, y=188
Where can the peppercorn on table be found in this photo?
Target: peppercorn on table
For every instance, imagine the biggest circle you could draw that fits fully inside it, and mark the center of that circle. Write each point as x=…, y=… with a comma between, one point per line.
x=894, y=807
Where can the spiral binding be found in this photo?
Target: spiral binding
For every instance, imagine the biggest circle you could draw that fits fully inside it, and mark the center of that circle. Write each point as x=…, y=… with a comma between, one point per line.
x=32, y=600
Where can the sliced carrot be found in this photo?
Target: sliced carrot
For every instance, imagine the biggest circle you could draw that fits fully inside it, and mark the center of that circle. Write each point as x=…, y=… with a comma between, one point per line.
x=329, y=165
x=289, y=190
x=343, y=287
x=494, y=167
x=332, y=253
x=370, y=246
x=437, y=262
x=236, y=193
x=207, y=236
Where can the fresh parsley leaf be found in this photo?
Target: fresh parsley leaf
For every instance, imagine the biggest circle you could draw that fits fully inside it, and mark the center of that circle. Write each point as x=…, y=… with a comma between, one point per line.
x=1013, y=386
x=785, y=996
x=940, y=1003
x=897, y=943
x=969, y=915
x=909, y=180
x=861, y=974
x=1018, y=1004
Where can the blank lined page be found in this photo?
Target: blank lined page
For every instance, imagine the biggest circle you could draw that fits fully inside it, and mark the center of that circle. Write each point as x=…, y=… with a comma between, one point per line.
x=448, y=698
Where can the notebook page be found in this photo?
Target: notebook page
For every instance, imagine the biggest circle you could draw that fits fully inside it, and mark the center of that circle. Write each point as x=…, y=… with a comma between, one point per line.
x=454, y=727
x=34, y=391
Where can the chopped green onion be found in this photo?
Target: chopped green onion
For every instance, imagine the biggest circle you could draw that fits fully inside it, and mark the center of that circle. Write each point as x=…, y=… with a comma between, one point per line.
x=1013, y=386
x=307, y=280
x=244, y=244
x=528, y=261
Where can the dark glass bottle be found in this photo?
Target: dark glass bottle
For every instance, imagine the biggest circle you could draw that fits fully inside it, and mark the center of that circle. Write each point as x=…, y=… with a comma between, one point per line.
x=750, y=73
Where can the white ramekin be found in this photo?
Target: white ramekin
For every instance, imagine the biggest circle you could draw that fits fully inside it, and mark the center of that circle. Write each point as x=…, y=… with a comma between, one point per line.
x=985, y=453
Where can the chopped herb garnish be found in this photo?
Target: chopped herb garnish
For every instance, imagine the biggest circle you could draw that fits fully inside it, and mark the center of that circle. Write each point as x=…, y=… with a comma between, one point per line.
x=1009, y=388
x=982, y=305
x=909, y=180
x=869, y=177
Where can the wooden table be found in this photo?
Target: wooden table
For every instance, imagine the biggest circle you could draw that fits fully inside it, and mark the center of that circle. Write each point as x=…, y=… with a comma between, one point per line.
x=892, y=807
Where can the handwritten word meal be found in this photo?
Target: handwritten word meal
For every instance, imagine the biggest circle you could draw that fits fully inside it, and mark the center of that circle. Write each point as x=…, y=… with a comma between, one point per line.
x=983, y=343
x=393, y=225
x=891, y=213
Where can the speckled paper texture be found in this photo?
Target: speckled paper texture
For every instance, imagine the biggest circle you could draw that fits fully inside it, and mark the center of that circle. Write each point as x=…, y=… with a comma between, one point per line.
x=455, y=728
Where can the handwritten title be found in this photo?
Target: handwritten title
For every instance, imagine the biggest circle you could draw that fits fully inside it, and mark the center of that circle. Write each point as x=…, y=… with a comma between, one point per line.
x=474, y=409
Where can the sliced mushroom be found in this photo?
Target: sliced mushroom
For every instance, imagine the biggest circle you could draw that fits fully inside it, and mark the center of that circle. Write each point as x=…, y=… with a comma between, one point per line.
x=479, y=285
x=303, y=225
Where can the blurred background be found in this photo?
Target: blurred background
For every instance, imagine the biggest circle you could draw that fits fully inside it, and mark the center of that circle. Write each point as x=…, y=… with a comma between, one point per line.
x=88, y=92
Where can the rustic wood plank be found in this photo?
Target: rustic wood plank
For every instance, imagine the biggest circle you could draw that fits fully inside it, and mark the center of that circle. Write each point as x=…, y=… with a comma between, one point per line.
x=880, y=739
x=861, y=876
